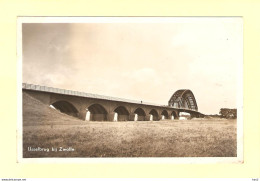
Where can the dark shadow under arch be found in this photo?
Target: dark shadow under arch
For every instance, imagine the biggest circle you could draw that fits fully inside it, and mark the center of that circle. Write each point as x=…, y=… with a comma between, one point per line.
x=175, y=115
x=165, y=114
x=66, y=107
x=123, y=114
x=97, y=112
x=141, y=114
x=155, y=115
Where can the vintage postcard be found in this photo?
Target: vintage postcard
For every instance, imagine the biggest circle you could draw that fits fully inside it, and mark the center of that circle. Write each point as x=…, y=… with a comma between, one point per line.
x=130, y=89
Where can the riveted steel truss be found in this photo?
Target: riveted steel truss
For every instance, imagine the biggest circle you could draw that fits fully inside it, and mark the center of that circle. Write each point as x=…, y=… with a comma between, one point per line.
x=183, y=99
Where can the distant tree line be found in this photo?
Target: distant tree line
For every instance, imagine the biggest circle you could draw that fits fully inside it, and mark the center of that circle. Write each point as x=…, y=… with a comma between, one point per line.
x=228, y=113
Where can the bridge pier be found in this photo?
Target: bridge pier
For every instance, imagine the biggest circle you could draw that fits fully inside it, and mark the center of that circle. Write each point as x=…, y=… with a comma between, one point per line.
x=132, y=117
x=88, y=114
x=82, y=115
x=110, y=116
x=147, y=117
x=159, y=118
x=116, y=116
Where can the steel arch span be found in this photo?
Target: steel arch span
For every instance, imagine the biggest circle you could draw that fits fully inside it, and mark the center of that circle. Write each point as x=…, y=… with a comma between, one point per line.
x=183, y=99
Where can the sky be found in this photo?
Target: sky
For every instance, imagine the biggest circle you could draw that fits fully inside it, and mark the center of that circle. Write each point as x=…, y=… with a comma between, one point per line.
x=140, y=61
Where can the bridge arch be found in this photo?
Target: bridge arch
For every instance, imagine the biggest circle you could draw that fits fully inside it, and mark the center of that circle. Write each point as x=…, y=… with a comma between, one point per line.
x=154, y=115
x=96, y=113
x=122, y=113
x=66, y=107
x=140, y=114
x=174, y=115
x=183, y=99
x=164, y=115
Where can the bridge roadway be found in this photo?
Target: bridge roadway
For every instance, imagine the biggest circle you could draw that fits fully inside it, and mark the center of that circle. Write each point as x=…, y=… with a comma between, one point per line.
x=93, y=107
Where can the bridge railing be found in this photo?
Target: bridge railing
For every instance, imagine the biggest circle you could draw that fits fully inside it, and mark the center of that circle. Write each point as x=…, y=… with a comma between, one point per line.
x=90, y=95
x=83, y=94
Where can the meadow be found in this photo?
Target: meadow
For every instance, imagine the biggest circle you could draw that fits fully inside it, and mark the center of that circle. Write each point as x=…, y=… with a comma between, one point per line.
x=47, y=128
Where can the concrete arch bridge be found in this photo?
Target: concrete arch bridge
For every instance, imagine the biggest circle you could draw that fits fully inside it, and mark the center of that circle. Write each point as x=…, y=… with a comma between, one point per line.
x=93, y=107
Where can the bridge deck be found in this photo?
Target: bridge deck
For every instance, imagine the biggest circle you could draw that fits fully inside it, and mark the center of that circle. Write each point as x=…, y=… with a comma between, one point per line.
x=89, y=95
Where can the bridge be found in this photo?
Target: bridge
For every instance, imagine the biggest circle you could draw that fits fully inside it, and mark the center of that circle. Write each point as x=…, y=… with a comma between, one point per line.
x=93, y=107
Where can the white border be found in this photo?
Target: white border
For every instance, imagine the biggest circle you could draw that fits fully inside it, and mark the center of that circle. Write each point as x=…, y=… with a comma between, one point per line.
x=175, y=160
x=19, y=131
x=141, y=179
x=240, y=134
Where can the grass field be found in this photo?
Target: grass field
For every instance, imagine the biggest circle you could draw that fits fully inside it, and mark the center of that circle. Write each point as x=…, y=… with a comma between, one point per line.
x=47, y=128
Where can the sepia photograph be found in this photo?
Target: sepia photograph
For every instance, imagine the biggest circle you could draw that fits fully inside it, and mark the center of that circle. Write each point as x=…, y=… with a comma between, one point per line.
x=130, y=87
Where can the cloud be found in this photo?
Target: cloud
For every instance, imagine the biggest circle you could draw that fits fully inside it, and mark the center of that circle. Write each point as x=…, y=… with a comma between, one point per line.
x=146, y=62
